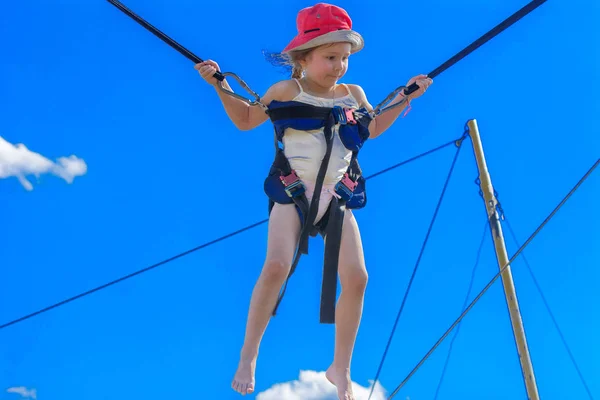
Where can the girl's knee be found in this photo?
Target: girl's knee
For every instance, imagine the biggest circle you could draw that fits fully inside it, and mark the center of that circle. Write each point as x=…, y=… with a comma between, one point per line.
x=354, y=279
x=275, y=271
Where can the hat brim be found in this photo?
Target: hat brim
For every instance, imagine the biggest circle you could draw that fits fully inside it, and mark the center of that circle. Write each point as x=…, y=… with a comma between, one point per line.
x=349, y=36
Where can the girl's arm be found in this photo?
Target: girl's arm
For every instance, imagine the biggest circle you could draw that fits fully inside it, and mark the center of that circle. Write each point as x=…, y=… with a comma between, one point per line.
x=244, y=116
x=383, y=121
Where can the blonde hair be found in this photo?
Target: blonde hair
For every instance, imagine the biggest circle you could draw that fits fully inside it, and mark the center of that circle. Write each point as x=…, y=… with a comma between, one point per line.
x=295, y=58
x=290, y=62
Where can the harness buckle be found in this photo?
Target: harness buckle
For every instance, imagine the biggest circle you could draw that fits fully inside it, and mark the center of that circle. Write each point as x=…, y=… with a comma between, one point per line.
x=293, y=185
x=350, y=116
x=345, y=187
x=344, y=116
x=339, y=115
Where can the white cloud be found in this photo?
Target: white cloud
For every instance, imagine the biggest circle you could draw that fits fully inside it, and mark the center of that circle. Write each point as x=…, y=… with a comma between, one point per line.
x=315, y=386
x=18, y=161
x=23, y=391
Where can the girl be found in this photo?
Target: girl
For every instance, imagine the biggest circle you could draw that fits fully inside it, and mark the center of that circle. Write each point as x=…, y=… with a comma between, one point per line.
x=319, y=57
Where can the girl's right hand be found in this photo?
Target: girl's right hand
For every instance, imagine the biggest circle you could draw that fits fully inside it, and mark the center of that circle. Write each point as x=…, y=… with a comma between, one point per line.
x=207, y=69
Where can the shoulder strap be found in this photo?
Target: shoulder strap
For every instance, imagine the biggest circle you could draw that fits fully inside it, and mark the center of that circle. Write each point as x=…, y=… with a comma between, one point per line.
x=299, y=85
x=351, y=95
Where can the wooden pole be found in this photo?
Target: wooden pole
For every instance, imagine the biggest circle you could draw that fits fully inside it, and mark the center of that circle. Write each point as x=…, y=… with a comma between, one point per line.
x=491, y=203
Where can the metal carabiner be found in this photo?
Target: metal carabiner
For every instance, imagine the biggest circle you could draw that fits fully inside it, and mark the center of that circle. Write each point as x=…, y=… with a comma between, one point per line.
x=378, y=109
x=255, y=102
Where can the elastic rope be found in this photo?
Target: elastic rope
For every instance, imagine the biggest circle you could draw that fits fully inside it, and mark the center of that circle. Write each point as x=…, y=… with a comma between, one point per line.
x=416, y=267
x=63, y=302
x=487, y=36
x=132, y=274
x=383, y=171
x=554, y=321
x=485, y=289
x=465, y=302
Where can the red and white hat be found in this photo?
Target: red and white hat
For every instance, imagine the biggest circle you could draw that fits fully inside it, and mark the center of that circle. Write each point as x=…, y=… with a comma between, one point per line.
x=322, y=24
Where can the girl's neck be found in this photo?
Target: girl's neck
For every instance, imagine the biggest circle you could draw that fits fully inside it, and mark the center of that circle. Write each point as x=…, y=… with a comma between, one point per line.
x=317, y=90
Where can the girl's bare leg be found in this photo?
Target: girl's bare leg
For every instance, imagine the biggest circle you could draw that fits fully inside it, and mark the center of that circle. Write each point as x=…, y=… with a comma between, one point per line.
x=353, y=279
x=284, y=229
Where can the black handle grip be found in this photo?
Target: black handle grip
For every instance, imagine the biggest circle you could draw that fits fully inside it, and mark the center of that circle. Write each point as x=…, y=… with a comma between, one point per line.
x=411, y=89
x=191, y=56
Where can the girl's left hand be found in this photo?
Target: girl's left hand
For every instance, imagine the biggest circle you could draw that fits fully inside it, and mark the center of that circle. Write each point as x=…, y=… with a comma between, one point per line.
x=422, y=81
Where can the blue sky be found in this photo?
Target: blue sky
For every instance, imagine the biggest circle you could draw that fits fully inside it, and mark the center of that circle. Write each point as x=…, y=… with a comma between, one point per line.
x=161, y=170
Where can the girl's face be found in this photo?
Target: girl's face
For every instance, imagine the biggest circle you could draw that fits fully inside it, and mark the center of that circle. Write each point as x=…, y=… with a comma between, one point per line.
x=327, y=64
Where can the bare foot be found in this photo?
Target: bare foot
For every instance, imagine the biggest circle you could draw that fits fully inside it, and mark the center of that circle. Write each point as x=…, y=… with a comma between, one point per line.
x=243, y=381
x=341, y=379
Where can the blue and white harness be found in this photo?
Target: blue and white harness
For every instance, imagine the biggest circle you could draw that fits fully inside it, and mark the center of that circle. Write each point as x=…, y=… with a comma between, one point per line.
x=283, y=186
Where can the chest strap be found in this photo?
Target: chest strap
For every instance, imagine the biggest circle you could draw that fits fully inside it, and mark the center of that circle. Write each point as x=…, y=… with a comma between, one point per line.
x=300, y=110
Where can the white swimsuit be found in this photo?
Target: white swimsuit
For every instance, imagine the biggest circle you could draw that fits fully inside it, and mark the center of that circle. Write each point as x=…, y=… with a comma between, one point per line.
x=305, y=150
